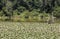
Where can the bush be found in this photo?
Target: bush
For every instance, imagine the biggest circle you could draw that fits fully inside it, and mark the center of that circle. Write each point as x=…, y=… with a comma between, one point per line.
x=57, y=12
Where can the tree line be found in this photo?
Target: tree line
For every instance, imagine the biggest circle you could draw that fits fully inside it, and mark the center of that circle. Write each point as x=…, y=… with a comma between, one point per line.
x=10, y=7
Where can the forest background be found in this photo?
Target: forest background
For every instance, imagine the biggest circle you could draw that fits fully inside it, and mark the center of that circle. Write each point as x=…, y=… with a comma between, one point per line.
x=29, y=10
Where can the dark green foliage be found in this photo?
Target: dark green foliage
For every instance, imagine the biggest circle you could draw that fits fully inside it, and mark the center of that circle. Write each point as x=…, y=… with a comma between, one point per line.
x=57, y=12
x=11, y=8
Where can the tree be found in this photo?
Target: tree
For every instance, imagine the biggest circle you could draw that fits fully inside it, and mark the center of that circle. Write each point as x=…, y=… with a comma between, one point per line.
x=8, y=9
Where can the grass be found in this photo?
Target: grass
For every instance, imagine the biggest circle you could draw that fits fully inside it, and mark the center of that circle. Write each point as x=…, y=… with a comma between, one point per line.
x=29, y=30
